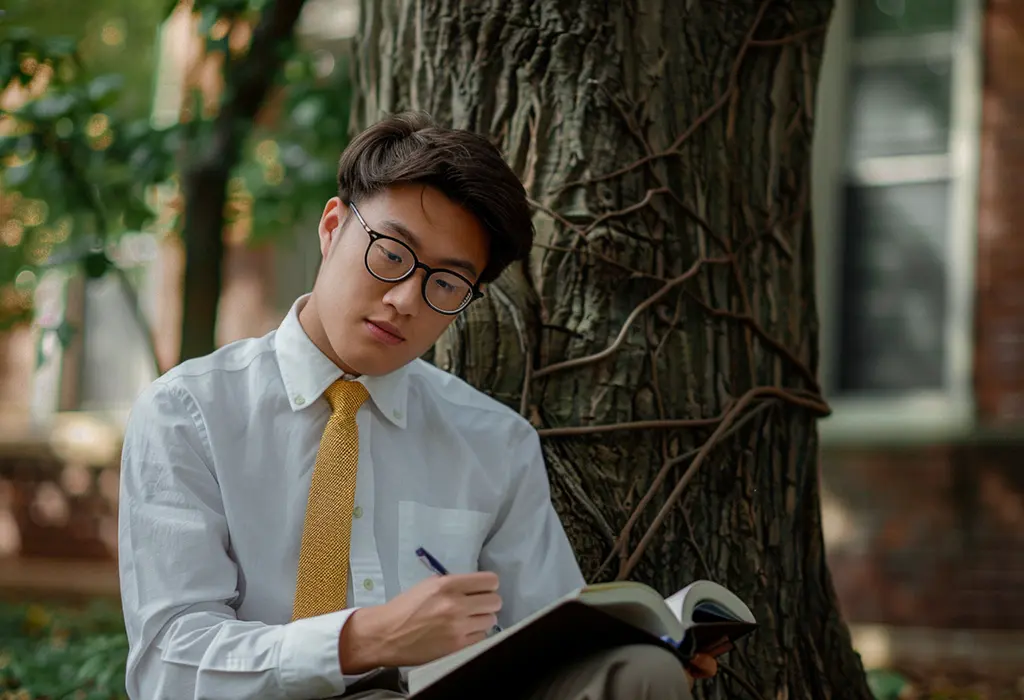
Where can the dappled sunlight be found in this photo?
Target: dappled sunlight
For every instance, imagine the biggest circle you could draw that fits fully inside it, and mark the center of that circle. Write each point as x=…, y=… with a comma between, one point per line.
x=79, y=438
x=838, y=524
x=10, y=536
x=50, y=506
x=76, y=479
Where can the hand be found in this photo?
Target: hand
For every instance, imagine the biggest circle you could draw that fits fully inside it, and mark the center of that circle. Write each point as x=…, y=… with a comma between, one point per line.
x=436, y=617
x=701, y=666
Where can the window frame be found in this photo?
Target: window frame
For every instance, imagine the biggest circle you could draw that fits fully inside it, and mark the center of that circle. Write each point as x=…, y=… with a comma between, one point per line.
x=917, y=416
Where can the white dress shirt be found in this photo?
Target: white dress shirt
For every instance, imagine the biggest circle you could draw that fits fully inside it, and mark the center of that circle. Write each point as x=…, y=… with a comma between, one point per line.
x=216, y=466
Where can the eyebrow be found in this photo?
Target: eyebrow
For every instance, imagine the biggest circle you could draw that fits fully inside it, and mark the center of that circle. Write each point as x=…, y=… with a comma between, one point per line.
x=403, y=231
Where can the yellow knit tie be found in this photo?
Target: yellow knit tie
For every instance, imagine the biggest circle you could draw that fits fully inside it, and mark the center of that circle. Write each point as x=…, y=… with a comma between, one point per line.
x=322, y=582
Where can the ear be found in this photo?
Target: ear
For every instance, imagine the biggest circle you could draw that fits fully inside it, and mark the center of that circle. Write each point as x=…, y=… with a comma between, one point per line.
x=335, y=213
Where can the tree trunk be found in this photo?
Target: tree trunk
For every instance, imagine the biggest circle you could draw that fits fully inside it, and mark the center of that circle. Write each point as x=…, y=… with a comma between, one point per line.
x=664, y=338
x=247, y=82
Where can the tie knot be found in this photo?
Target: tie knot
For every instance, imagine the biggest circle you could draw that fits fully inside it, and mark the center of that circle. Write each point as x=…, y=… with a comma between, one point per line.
x=345, y=397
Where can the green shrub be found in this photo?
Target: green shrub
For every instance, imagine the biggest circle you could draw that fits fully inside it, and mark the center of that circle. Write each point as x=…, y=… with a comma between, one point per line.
x=62, y=653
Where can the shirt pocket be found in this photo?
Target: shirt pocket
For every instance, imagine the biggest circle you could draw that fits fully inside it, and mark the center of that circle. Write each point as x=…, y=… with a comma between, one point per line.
x=454, y=536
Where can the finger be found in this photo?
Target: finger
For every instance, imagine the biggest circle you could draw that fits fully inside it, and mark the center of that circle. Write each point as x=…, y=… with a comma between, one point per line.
x=483, y=603
x=474, y=637
x=481, y=623
x=479, y=582
x=703, y=666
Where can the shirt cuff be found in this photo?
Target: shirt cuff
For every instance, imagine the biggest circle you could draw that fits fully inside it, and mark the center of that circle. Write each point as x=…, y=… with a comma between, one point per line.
x=310, y=666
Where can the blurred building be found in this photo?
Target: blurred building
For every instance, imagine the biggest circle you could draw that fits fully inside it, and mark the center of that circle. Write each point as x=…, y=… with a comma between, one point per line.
x=62, y=407
x=919, y=156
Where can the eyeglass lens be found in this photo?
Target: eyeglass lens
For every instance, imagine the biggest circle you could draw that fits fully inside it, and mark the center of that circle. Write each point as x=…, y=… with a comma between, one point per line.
x=391, y=260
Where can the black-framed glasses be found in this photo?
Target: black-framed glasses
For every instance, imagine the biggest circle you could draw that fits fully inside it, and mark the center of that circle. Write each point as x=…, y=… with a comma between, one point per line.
x=390, y=260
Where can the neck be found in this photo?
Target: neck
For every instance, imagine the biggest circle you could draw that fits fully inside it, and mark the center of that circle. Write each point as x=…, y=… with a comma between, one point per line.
x=309, y=319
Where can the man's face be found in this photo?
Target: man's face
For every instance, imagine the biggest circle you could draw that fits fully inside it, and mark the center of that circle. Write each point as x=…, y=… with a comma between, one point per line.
x=375, y=327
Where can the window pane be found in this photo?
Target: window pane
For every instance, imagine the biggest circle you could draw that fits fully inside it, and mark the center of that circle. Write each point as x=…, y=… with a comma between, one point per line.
x=898, y=110
x=894, y=305
x=903, y=17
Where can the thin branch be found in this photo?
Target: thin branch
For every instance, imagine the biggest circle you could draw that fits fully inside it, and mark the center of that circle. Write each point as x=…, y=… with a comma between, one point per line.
x=597, y=357
x=667, y=423
x=660, y=477
x=751, y=323
x=580, y=232
x=626, y=210
x=627, y=118
x=99, y=211
x=575, y=489
x=519, y=323
x=602, y=257
x=744, y=683
x=134, y=303
x=524, y=395
x=692, y=541
x=791, y=39
x=731, y=415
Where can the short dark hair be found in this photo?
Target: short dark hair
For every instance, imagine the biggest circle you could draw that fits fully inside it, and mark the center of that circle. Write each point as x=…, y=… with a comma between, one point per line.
x=410, y=148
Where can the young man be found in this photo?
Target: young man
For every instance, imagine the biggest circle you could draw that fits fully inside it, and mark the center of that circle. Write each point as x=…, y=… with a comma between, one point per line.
x=274, y=494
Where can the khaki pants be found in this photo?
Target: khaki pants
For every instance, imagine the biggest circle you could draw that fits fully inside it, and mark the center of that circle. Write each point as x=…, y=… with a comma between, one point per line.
x=639, y=672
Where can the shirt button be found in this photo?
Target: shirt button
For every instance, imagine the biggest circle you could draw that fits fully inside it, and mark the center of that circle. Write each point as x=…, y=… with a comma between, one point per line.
x=397, y=414
x=300, y=400
x=357, y=512
x=368, y=584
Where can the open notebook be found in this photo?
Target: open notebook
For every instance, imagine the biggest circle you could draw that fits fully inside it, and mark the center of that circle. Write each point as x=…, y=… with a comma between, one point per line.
x=585, y=621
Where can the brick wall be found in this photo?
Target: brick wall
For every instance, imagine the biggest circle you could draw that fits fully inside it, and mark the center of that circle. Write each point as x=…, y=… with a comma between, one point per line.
x=927, y=536
x=53, y=510
x=999, y=351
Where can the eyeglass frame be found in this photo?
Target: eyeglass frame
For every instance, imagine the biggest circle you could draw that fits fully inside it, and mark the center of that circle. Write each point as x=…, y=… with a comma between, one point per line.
x=417, y=265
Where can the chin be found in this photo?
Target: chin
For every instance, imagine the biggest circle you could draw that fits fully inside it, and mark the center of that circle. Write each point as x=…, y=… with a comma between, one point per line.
x=372, y=362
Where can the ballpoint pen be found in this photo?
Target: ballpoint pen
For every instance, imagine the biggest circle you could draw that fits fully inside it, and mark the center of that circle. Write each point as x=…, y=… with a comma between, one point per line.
x=438, y=568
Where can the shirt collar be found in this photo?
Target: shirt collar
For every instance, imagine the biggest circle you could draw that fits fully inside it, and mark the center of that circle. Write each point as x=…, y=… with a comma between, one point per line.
x=307, y=372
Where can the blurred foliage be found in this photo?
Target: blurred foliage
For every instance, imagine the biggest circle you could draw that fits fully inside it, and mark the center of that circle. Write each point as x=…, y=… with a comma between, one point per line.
x=82, y=162
x=886, y=684
x=290, y=168
x=76, y=154
x=52, y=653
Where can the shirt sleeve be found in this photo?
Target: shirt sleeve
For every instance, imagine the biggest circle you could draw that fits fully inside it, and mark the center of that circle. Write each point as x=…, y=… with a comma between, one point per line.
x=528, y=547
x=178, y=580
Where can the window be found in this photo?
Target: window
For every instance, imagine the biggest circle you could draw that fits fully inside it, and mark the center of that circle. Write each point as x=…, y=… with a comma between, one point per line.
x=896, y=166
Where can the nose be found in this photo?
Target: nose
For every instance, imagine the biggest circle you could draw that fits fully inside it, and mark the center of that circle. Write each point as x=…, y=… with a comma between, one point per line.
x=406, y=296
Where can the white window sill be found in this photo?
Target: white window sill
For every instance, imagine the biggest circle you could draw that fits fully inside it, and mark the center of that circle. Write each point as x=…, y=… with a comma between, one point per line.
x=912, y=420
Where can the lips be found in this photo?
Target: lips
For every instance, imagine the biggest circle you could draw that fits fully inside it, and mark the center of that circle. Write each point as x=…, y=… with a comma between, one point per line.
x=385, y=332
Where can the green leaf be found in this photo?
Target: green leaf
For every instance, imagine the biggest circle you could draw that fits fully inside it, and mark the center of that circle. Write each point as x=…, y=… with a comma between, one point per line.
x=207, y=18
x=51, y=107
x=885, y=684
x=40, y=360
x=65, y=333
x=60, y=46
x=136, y=213
x=104, y=90
x=19, y=174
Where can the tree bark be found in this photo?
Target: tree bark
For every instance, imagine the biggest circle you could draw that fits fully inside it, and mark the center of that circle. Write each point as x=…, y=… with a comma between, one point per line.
x=663, y=338
x=247, y=82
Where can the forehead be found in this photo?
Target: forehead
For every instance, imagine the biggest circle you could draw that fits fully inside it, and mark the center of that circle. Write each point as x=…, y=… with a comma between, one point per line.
x=443, y=230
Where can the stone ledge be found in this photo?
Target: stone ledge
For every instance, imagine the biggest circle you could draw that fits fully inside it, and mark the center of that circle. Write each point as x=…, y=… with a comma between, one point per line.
x=994, y=651
x=55, y=578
